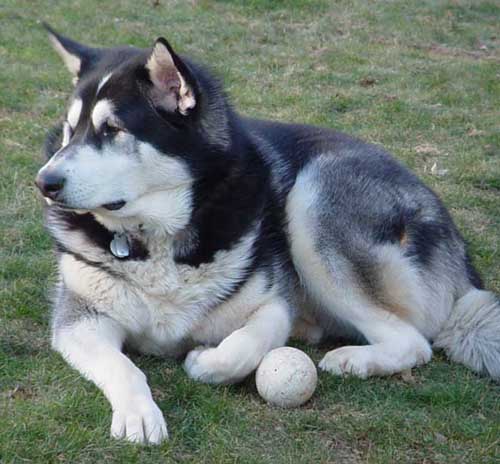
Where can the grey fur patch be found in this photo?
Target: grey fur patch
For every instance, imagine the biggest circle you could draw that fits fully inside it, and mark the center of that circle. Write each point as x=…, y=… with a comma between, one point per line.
x=73, y=307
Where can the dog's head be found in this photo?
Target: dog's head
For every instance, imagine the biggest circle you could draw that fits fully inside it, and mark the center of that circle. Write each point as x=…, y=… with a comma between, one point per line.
x=141, y=127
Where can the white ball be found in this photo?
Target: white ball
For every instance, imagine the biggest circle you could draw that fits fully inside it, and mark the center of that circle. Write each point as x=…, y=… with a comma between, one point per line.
x=286, y=377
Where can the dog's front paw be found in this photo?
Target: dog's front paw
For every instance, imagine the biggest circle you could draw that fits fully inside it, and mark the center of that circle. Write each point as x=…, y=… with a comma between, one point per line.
x=207, y=365
x=200, y=364
x=139, y=421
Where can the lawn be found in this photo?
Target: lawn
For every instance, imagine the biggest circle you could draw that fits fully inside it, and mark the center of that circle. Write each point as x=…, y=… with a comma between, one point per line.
x=421, y=78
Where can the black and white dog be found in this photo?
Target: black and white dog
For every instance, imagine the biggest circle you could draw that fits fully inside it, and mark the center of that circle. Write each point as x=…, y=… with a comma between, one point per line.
x=182, y=227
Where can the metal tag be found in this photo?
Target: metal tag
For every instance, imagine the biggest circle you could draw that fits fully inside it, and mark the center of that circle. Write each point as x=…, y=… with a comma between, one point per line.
x=119, y=246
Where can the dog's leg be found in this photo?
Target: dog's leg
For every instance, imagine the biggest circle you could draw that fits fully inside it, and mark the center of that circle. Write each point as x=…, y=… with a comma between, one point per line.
x=93, y=347
x=395, y=343
x=394, y=346
x=306, y=329
x=241, y=352
x=373, y=288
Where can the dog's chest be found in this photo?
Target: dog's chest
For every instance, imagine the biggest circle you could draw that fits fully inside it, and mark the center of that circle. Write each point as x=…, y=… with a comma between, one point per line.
x=157, y=300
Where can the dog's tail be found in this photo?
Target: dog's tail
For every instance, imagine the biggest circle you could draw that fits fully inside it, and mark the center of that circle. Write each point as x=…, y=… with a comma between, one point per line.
x=471, y=335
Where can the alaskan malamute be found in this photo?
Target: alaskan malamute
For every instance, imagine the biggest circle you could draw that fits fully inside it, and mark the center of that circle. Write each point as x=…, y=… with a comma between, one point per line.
x=185, y=229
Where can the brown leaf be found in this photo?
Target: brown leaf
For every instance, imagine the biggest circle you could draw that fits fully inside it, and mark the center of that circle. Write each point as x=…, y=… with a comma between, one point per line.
x=473, y=132
x=20, y=393
x=367, y=81
x=427, y=149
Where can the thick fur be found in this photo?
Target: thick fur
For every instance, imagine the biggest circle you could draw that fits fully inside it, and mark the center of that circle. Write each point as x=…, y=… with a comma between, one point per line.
x=470, y=335
x=238, y=231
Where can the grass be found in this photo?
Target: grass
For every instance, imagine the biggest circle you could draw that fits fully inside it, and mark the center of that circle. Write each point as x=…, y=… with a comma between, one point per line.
x=421, y=78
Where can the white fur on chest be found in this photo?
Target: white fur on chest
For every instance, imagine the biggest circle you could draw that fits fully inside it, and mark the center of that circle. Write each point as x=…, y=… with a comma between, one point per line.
x=160, y=302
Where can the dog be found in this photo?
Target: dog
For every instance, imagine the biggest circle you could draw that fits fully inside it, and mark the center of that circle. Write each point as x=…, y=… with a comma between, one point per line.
x=184, y=229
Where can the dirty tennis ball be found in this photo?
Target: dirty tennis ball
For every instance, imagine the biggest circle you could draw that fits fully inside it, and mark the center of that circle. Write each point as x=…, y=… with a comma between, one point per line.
x=286, y=377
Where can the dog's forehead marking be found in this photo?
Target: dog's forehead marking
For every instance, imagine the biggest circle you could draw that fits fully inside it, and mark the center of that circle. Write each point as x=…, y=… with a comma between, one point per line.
x=103, y=82
x=74, y=112
x=102, y=111
x=66, y=134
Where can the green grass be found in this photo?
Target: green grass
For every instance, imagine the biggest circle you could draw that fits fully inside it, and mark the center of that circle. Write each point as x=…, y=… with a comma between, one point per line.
x=419, y=77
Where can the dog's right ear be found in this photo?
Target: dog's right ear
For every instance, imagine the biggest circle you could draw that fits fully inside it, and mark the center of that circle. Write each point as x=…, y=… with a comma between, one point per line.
x=78, y=58
x=174, y=88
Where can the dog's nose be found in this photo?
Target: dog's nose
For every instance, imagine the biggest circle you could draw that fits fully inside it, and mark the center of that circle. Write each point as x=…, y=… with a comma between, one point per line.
x=50, y=184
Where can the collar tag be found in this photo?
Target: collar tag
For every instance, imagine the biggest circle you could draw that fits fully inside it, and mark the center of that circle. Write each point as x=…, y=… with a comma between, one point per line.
x=119, y=246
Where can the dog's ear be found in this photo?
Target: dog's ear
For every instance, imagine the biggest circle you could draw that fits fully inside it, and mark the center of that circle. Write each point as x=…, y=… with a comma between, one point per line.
x=173, y=86
x=78, y=58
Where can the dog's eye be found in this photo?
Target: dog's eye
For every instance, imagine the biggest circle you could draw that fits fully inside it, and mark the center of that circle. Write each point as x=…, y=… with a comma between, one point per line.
x=109, y=129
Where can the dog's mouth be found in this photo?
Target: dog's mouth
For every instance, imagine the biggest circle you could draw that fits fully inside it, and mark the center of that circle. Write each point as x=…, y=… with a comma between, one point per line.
x=115, y=205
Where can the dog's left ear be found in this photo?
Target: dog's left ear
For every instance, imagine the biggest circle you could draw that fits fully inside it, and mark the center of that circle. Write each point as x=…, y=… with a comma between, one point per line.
x=173, y=85
x=78, y=58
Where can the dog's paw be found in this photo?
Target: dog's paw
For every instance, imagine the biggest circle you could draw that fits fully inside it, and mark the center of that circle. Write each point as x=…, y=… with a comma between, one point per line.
x=201, y=365
x=140, y=421
x=348, y=360
x=369, y=360
x=206, y=365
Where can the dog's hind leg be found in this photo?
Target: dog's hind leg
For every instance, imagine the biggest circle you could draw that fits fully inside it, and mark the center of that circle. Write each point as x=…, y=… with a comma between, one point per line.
x=373, y=288
x=240, y=353
x=395, y=344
